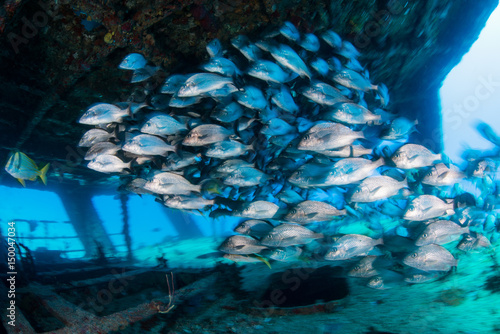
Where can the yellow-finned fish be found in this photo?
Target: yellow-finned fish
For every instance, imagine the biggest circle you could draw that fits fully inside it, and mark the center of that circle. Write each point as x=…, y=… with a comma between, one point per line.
x=23, y=168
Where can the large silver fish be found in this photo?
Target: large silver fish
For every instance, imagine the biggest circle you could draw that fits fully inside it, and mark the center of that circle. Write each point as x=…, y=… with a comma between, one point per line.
x=351, y=245
x=377, y=188
x=426, y=207
x=147, y=145
x=162, y=125
x=103, y=113
x=241, y=244
x=411, y=156
x=431, y=258
x=206, y=134
x=257, y=210
x=285, y=235
x=106, y=163
x=201, y=83
x=327, y=136
x=440, y=232
x=167, y=183
x=313, y=211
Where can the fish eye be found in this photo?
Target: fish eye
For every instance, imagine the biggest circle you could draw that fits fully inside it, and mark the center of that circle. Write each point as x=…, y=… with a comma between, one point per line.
x=334, y=249
x=414, y=255
x=424, y=235
x=307, y=137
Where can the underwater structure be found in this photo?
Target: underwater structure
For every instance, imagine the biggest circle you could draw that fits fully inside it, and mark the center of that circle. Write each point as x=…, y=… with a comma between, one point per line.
x=409, y=46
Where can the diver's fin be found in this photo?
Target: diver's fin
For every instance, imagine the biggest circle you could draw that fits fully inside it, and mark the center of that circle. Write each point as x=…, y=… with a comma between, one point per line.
x=43, y=173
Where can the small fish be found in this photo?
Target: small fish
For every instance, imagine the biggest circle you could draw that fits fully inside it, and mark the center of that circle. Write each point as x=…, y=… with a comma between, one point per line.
x=411, y=156
x=287, y=57
x=385, y=279
x=227, y=149
x=251, y=97
x=440, y=232
x=431, y=258
x=377, y=188
x=187, y=202
x=324, y=94
x=327, y=136
x=441, y=175
x=332, y=38
x=254, y=227
x=241, y=244
x=285, y=254
x=470, y=243
x=348, y=50
x=400, y=128
x=364, y=268
x=289, y=196
x=268, y=71
x=147, y=145
x=321, y=66
x=143, y=74
x=102, y=113
x=201, y=83
x=133, y=61
x=351, y=245
x=290, y=31
x=167, y=183
x=351, y=113
x=106, y=163
x=214, y=48
x=23, y=168
x=426, y=207
x=222, y=66
x=175, y=162
x=249, y=50
x=230, y=166
x=206, y=134
x=101, y=148
x=350, y=170
x=488, y=133
x=277, y=127
x=246, y=177
x=135, y=186
x=309, y=42
x=422, y=277
x=285, y=235
x=257, y=210
x=284, y=99
x=173, y=83
x=313, y=211
x=162, y=125
x=351, y=79
x=94, y=136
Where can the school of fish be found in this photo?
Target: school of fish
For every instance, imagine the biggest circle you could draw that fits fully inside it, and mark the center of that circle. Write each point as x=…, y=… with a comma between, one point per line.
x=289, y=133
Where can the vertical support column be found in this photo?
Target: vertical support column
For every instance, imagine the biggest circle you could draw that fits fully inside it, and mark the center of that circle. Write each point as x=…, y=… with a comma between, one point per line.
x=85, y=220
x=126, y=230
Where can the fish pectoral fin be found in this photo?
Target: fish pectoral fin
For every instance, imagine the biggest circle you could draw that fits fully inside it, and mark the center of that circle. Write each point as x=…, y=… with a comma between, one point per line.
x=312, y=215
x=22, y=182
x=443, y=175
x=427, y=209
x=374, y=191
x=260, y=258
x=239, y=247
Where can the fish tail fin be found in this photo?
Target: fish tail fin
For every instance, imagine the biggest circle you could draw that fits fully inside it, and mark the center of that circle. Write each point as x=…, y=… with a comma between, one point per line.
x=43, y=173
x=380, y=162
x=445, y=159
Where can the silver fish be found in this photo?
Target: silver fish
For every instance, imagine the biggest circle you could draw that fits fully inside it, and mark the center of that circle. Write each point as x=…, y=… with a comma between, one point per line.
x=351, y=245
x=431, y=258
x=332, y=38
x=323, y=94
x=290, y=31
x=240, y=244
x=441, y=175
x=411, y=156
x=321, y=66
x=143, y=74
x=350, y=170
x=230, y=166
x=214, y=48
x=187, y=202
x=183, y=102
x=135, y=186
x=351, y=79
x=101, y=148
x=173, y=83
x=251, y=97
x=309, y=42
x=246, y=177
x=206, y=134
x=400, y=128
x=257, y=210
x=440, y=232
x=426, y=207
x=254, y=227
x=201, y=83
x=94, y=136
x=222, y=66
x=147, y=145
x=133, y=61
x=268, y=71
x=229, y=113
x=162, y=125
x=286, y=254
x=313, y=211
x=327, y=136
x=470, y=243
x=249, y=50
x=106, y=163
x=175, y=162
x=351, y=113
x=287, y=57
x=277, y=127
x=364, y=268
x=377, y=188
x=283, y=99
x=102, y=113
x=385, y=279
x=285, y=235
x=227, y=149
x=167, y=183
